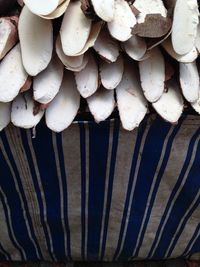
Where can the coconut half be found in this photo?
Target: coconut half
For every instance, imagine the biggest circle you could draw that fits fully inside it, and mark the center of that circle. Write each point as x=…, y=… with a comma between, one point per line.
x=184, y=28
x=189, y=80
x=22, y=111
x=104, y=9
x=131, y=103
x=170, y=105
x=43, y=7
x=64, y=107
x=106, y=46
x=101, y=104
x=5, y=115
x=47, y=84
x=87, y=80
x=152, y=75
x=111, y=73
x=135, y=47
x=36, y=40
x=187, y=58
x=9, y=36
x=124, y=20
x=12, y=75
x=75, y=29
x=75, y=63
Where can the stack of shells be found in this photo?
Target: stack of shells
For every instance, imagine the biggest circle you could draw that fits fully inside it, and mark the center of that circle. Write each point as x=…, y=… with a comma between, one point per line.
x=116, y=54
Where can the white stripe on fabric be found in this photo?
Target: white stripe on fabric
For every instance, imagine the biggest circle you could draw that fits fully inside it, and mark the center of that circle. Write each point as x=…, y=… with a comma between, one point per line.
x=21, y=161
x=24, y=172
x=106, y=185
x=192, y=244
x=174, y=166
x=187, y=234
x=5, y=238
x=41, y=192
x=181, y=222
x=153, y=185
x=60, y=188
x=124, y=156
x=133, y=187
x=10, y=224
x=126, y=147
x=177, y=194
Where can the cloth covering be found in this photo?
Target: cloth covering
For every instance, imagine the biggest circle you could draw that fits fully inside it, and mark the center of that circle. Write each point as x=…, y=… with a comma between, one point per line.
x=97, y=192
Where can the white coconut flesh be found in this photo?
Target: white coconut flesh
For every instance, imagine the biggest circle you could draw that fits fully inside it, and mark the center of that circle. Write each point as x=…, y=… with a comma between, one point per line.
x=36, y=40
x=123, y=22
x=189, y=80
x=8, y=36
x=95, y=30
x=64, y=107
x=58, y=12
x=87, y=79
x=111, y=73
x=22, y=112
x=12, y=75
x=106, y=46
x=135, y=47
x=101, y=104
x=41, y=7
x=196, y=105
x=75, y=29
x=152, y=75
x=170, y=105
x=146, y=7
x=187, y=58
x=73, y=63
x=47, y=84
x=184, y=27
x=131, y=103
x=104, y=9
x=197, y=41
x=5, y=115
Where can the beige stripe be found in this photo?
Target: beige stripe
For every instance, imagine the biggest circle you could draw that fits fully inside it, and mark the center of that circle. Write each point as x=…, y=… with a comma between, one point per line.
x=168, y=181
x=178, y=192
x=5, y=239
x=47, y=256
x=133, y=186
x=106, y=184
x=60, y=188
x=21, y=161
x=10, y=222
x=181, y=221
x=187, y=234
x=153, y=184
x=124, y=157
x=71, y=150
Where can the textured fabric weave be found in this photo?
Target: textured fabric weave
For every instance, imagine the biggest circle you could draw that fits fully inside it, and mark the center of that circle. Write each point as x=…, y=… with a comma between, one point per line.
x=97, y=192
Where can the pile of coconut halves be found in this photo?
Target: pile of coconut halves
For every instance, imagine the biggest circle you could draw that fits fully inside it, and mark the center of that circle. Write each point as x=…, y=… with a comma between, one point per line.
x=116, y=54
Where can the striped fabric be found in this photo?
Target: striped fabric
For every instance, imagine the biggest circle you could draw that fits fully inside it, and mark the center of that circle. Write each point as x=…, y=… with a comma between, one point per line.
x=97, y=192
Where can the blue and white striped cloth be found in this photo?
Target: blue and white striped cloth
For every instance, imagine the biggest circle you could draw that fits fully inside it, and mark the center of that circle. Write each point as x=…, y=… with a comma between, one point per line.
x=97, y=192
